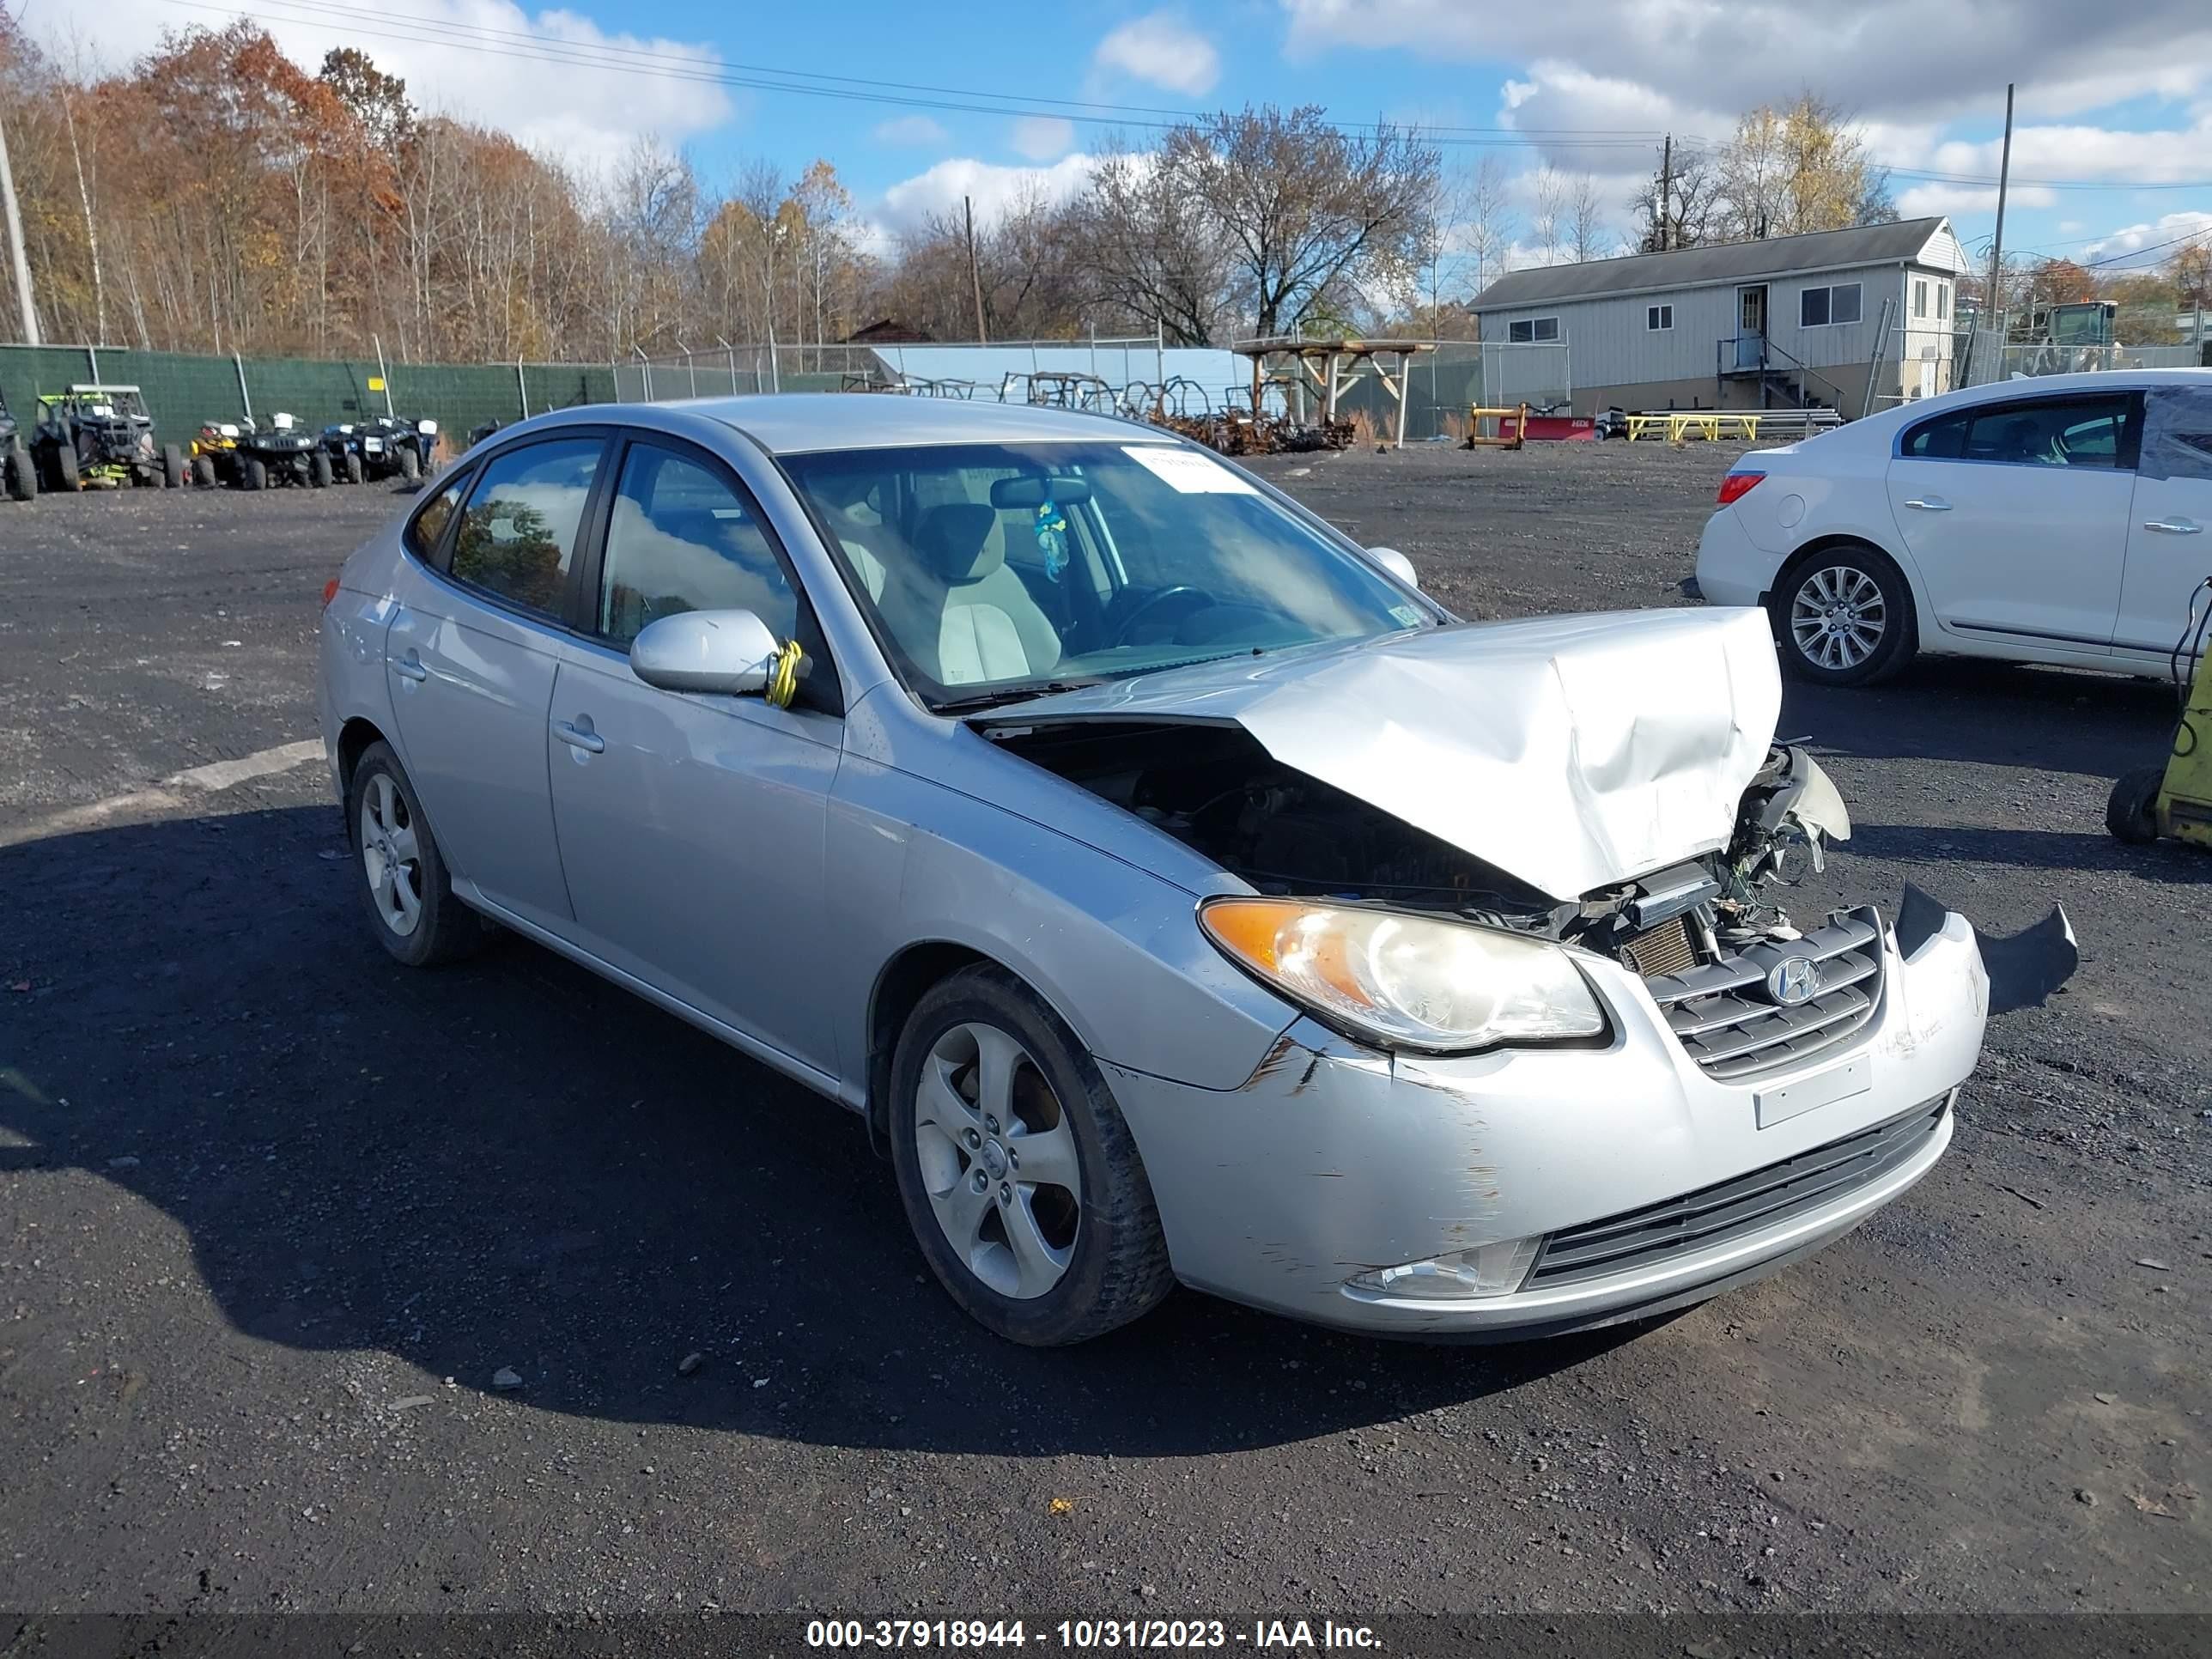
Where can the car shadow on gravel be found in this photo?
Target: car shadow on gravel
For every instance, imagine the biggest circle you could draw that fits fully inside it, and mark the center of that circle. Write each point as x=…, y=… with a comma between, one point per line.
x=511, y=1165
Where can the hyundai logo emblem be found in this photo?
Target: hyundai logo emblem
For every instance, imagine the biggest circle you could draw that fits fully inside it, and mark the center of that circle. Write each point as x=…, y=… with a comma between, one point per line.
x=1793, y=980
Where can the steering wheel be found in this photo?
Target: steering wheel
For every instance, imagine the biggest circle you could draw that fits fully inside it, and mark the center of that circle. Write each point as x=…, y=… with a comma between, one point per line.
x=1181, y=591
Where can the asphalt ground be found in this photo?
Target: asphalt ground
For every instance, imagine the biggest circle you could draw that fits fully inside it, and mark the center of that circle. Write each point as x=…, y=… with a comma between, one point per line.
x=274, y=1212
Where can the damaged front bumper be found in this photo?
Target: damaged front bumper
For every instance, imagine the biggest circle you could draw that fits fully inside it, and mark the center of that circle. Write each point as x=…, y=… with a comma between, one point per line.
x=1349, y=1187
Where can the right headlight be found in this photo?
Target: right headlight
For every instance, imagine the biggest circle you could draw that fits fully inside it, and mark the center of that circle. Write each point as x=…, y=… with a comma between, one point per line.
x=1406, y=981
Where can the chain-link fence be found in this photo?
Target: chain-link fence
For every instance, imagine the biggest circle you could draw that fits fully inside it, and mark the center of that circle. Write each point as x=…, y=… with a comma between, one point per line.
x=1989, y=358
x=183, y=390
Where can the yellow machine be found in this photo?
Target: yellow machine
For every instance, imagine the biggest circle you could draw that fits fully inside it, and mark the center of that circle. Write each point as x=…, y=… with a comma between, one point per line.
x=2176, y=799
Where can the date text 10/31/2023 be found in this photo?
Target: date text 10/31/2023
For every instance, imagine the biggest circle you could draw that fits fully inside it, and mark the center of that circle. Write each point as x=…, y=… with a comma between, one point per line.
x=1089, y=1634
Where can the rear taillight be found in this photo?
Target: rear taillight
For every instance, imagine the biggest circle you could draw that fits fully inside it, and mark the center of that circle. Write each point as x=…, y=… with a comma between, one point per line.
x=329, y=592
x=1736, y=486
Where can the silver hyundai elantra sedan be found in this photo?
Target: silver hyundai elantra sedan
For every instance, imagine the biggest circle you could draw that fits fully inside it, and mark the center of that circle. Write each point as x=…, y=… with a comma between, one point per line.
x=1179, y=893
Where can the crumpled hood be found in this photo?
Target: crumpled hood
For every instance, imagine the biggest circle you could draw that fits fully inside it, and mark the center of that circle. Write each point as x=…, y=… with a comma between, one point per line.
x=1573, y=752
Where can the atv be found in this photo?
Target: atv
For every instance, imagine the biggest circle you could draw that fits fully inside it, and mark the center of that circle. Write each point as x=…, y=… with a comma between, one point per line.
x=385, y=447
x=101, y=436
x=214, y=454
x=21, y=472
x=282, y=452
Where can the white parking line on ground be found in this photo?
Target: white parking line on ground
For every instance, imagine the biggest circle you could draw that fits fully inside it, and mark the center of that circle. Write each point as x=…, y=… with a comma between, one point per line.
x=196, y=780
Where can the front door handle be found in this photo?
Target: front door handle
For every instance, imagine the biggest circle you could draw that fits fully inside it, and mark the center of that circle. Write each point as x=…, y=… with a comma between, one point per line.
x=410, y=667
x=579, y=736
x=2174, y=527
x=1930, y=503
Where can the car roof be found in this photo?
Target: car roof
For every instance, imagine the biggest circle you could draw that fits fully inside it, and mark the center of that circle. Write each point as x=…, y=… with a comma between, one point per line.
x=794, y=422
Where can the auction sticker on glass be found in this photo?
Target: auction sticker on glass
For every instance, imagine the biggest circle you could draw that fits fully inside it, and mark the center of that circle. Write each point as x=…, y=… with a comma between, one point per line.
x=1186, y=471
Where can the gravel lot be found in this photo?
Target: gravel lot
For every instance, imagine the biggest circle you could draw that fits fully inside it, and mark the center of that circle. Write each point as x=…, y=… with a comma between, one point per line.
x=273, y=1213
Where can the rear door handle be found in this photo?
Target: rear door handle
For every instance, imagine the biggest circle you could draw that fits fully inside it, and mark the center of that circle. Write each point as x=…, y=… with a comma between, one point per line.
x=579, y=736
x=1930, y=503
x=2174, y=527
x=410, y=667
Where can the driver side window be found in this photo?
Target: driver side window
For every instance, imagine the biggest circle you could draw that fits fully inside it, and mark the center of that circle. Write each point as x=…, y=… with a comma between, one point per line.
x=2074, y=432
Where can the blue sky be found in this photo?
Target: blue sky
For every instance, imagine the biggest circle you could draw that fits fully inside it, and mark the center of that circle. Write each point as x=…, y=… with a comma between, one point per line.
x=2112, y=153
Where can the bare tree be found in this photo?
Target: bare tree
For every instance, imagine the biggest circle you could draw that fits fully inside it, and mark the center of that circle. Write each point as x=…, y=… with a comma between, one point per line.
x=1152, y=249
x=1547, y=225
x=1586, y=234
x=1802, y=167
x=1692, y=195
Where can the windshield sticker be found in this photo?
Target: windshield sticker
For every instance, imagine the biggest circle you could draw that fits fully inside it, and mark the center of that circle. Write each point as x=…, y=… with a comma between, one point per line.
x=1051, y=538
x=1185, y=471
x=1407, y=614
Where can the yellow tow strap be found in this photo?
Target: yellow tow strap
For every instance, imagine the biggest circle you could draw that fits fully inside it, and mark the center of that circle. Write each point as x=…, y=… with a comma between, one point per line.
x=783, y=678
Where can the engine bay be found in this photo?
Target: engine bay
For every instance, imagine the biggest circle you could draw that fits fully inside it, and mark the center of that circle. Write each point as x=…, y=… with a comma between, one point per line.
x=1214, y=789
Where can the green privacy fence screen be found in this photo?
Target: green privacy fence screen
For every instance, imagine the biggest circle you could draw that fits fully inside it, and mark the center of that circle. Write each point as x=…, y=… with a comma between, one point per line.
x=183, y=390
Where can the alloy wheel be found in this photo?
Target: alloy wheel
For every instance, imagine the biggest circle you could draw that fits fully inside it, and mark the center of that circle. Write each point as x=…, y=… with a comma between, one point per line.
x=998, y=1160
x=391, y=855
x=1837, y=617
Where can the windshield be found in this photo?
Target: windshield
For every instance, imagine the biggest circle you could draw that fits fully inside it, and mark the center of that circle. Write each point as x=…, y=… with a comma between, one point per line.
x=995, y=570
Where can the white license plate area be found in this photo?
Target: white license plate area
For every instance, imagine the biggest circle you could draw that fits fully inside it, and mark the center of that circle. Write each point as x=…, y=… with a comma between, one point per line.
x=1779, y=1105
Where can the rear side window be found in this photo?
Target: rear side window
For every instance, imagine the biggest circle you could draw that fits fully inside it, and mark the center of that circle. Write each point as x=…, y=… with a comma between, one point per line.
x=425, y=529
x=2090, y=432
x=1938, y=440
x=679, y=538
x=518, y=530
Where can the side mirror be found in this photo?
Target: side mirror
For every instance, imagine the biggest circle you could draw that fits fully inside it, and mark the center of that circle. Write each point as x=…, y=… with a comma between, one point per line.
x=723, y=651
x=1397, y=564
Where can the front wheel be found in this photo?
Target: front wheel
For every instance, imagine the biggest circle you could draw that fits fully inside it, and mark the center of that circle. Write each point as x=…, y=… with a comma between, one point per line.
x=353, y=472
x=318, y=470
x=253, y=474
x=66, y=476
x=404, y=883
x=204, y=471
x=172, y=467
x=1843, y=616
x=1018, y=1175
x=2131, y=813
x=22, y=472
x=410, y=465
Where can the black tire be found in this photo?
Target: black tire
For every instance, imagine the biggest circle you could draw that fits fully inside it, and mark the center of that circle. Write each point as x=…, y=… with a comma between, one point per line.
x=410, y=464
x=1117, y=1266
x=22, y=472
x=2131, y=813
x=1849, y=571
x=66, y=473
x=353, y=469
x=204, y=471
x=319, y=469
x=445, y=929
x=172, y=467
x=253, y=473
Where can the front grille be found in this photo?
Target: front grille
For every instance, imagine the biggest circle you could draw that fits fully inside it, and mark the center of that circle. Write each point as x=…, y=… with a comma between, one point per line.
x=1721, y=1014
x=1732, y=1209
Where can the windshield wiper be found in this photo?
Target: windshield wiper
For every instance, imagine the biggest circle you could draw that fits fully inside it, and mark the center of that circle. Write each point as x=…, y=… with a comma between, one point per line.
x=1015, y=694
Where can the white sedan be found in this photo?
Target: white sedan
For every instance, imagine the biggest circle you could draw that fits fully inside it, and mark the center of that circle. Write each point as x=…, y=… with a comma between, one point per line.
x=2054, y=520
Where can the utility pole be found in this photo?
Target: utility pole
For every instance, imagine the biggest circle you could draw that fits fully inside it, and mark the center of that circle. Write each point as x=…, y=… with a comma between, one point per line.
x=1666, y=194
x=974, y=272
x=2004, y=176
x=28, y=312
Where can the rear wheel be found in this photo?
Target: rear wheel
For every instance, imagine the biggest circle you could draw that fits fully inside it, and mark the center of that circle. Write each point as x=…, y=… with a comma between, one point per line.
x=204, y=471
x=1843, y=616
x=65, y=472
x=23, y=471
x=172, y=467
x=353, y=472
x=1018, y=1175
x=403, y=884
x=2132, y=814
x=319, y=469
x=410, y=465
x=253, y=473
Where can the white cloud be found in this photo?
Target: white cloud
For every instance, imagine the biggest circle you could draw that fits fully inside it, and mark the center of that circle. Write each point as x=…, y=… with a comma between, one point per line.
x=2067, y=227
x=2135, y=238
x=991, y=187
x=1923, y=201
x=1160, y=49
x=1043, y=137
x=916, y=130
x=1885, y=57
x=586, y=113
x=2086, y=152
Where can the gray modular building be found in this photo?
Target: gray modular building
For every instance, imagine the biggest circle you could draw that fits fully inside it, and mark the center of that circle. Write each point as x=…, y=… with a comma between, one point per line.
x=1853, y=320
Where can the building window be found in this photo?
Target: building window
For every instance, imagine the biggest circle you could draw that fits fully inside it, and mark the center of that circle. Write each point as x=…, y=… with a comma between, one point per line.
x=1658, y=317
x=1536, y=331
x=1920, y=296
x=1942, y=300
x=1822, y=308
